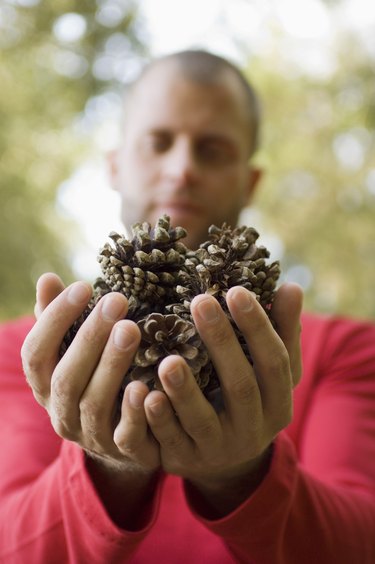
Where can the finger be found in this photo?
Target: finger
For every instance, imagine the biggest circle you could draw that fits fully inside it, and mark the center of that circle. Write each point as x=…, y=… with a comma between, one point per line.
x=132, y=436
x=269, y=355
x=100, y=399
x=40, y=350
x=166, y=429
x=239, y=386
x=195, y=414
x=75, y=369
x=48, y=287
x=286, y=312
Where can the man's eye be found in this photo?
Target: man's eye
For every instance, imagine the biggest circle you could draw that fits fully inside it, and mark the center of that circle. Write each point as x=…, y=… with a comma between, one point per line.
x=215, y=152
x=158, y=143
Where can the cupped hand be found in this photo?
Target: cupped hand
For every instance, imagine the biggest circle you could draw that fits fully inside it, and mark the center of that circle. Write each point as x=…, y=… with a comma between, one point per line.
x=80, y=390
x=213, y=449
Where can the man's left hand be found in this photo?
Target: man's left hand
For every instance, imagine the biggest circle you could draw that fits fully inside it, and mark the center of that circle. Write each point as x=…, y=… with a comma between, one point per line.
x=225, y=455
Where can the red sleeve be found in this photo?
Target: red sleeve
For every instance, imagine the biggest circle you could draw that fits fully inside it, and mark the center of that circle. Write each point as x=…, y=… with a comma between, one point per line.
x=49, y=509
x=318, y=506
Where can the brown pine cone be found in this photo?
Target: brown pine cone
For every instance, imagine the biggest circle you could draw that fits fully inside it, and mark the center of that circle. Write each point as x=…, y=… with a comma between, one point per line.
x=161, y=336
x=160, y=277
x=146, y=267
x=230, y=258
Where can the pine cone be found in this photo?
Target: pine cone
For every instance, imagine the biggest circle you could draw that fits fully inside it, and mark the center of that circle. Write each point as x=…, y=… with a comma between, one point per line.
x=160, y=277
x=230, y=258
x=163, y=335
x=146, y=267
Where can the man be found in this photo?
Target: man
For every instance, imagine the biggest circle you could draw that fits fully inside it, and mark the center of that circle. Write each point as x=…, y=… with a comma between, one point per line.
x=173, y=480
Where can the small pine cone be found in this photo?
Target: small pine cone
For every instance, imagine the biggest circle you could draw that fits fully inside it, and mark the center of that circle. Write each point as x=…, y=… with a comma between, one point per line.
x=160, y=277
x=101, y=288
x=163, y=335
x=145, y=267
x=229, y=258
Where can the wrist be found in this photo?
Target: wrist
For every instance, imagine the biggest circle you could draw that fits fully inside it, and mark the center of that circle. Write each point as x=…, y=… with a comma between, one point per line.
x=126, y=490
x=216, y=496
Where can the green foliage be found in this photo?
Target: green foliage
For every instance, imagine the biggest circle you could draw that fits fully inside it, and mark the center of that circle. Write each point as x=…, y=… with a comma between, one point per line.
x=318, y=195
x=46, y=81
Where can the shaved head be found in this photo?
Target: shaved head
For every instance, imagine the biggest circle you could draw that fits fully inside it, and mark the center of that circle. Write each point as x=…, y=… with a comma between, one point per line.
x=190, y=129
x=205, y=68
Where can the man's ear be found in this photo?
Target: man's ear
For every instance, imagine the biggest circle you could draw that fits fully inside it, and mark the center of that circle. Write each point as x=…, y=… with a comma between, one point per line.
x=254, y=176
x=111, y=159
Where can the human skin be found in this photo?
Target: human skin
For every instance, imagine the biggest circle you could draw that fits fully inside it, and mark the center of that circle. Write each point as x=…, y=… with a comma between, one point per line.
x=196, y=169
x=184, y=151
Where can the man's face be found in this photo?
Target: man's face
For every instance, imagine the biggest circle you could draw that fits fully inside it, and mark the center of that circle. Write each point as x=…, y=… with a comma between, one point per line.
x=184, y=152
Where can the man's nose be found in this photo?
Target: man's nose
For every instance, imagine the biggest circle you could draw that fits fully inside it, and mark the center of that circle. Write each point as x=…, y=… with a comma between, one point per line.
x=181, y=163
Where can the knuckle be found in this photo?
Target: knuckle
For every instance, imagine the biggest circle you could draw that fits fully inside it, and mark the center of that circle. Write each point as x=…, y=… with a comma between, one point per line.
x=91, y=409
x=243, y=389
x=201, y=429
x=39, y=394
x=93, y=417
x=32, y=362
x=220, y=334
x=88, y=335
x=173, y=442
x=278, y=364
x=127, y=442
x=60, y=389
x=62, y=427
x=33, y=367
x=127, y=447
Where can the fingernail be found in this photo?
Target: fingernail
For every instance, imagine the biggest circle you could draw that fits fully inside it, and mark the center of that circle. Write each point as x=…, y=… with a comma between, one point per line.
x=78, y=293
x=176, y=377
x=112, y=308
x=244, y=301
x=208, y=310
x=122, y=338
x=156, y=408
x=135, y=398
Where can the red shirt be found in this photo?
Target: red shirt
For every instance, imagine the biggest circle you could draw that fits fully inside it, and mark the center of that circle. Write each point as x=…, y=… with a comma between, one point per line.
x=315, y=506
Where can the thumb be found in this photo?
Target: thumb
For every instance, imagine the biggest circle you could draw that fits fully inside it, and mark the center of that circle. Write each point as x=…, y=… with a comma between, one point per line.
x=48, y=287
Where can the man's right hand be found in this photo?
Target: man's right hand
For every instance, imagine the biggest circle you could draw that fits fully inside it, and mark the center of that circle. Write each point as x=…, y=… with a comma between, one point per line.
x=80, y=390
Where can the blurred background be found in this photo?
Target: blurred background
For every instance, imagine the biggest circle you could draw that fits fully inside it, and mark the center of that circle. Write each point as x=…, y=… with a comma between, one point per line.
x=64, y=65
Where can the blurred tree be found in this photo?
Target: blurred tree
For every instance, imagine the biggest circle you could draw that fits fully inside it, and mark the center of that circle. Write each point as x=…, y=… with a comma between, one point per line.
x=54, y=56
x=61, y=61
x=318, y=194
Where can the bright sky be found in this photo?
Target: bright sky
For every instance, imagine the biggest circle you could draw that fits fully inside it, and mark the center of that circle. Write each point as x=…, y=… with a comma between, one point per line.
x=236, y=29
x=229, y=28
